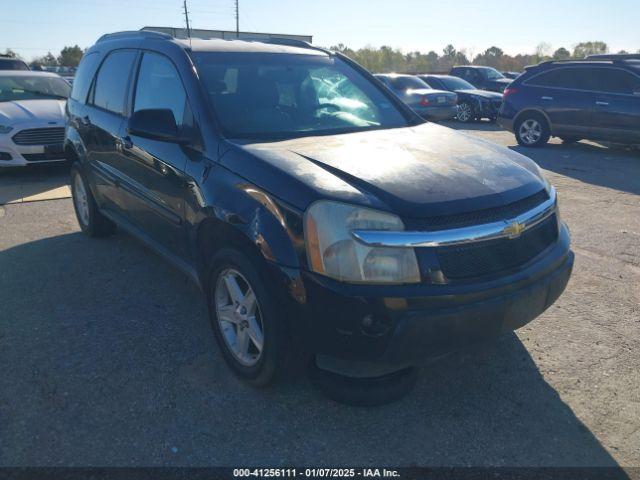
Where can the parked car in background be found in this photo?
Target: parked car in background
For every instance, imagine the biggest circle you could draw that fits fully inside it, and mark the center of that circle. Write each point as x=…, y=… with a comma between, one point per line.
x=12, y=63
x=511, y=75
x=484, y=78
x=370, y=242
x=473, y=104
x=32, y=117
x=598, y=100
x=425, y=101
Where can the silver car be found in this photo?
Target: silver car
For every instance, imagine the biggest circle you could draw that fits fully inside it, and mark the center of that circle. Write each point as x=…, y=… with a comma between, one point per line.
x=424, y=100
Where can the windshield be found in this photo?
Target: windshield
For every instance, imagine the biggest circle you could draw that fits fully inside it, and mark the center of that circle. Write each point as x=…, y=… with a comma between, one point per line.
x=492, y=73
x=32, y=88
x=455, y=83
x=263, y=95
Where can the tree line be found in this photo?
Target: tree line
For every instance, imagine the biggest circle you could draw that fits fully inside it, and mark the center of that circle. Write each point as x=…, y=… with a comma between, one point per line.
x=386, y=59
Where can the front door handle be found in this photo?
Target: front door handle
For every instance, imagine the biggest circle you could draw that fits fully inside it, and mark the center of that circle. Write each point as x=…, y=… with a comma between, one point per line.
x=602, y=104
x=547, y=98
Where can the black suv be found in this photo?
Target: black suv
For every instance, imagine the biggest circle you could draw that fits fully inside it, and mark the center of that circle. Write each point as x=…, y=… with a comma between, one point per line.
x=484, y=78
x=341, y=228
x=598, y=100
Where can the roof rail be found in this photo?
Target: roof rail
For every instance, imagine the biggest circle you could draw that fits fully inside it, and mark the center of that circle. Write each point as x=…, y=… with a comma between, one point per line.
x=616, y=57
x=133, y=34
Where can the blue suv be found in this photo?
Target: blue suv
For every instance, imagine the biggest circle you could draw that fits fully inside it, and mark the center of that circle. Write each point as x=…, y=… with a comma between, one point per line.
x=574, y=100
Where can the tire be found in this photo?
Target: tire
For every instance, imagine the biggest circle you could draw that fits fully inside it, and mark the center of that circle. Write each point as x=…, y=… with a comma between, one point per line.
x=569, y=140
x=532, y=130
x=91, y=221
x=258, y=366
x=363, y=392
x=465, y=112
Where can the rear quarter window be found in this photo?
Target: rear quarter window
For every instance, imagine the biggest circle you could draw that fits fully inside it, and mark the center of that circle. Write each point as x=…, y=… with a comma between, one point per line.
x=84, y=76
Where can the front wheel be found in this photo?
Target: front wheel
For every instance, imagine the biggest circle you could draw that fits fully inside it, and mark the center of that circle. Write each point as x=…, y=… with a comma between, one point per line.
x=465, y=112
x=532, y=130
x=246, y=318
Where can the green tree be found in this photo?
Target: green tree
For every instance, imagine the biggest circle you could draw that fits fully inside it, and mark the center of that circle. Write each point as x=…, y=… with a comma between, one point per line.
x=70, y=56
x=583, y=49
x=561, y=54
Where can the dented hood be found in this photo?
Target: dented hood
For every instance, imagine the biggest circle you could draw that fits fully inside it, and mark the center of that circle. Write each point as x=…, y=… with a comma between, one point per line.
x=415, y=171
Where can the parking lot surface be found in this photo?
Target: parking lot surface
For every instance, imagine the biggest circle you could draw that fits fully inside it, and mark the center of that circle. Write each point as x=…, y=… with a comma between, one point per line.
x=108, y=357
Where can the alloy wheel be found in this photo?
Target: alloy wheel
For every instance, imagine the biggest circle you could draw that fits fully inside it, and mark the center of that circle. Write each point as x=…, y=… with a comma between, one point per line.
x=530, y=131
x=464, y=112
x=81, y=200
x=239, y=317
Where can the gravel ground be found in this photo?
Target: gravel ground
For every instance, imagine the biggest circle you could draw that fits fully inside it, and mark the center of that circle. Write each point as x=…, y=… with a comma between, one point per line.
x=108, y=358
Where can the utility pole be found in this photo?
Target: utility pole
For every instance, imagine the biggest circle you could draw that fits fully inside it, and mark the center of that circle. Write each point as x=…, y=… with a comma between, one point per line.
x=186, y=17
x=237, y=18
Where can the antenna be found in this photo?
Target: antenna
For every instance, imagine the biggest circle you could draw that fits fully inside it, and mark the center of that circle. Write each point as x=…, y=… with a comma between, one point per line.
x=186, y=18
x=237, y=18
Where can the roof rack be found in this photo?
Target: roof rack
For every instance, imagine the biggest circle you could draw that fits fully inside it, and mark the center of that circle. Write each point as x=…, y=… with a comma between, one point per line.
x=133, y=34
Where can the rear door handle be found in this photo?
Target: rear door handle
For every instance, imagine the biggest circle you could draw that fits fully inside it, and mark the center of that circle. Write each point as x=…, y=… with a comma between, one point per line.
x=547, y=98
x=602, y=104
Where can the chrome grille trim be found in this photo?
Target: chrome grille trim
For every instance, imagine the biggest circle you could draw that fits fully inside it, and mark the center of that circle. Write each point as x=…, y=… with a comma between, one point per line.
x=39, y=136
x=511, y=228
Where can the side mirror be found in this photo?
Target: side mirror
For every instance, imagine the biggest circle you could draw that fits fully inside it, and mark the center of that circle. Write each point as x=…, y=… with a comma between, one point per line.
x=155, y=123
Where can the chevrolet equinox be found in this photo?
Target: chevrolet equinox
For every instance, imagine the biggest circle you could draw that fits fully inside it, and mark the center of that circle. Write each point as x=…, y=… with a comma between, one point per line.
x=323, y=219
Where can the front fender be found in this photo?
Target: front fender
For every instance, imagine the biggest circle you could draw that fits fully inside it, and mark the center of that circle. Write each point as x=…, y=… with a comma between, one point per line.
x=272, y=227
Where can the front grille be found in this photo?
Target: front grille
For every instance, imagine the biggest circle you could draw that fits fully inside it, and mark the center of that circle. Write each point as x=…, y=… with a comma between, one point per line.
x=487, y=215
x=494, y=256
x=39, y=136
x=497, y=104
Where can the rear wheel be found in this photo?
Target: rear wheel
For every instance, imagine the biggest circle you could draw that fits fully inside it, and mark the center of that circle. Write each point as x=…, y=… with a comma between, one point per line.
x=465, y=112
x=532, y=130
x=91, y=221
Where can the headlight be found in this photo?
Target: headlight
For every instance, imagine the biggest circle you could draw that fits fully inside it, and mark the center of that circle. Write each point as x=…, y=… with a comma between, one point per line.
x=5, y=128
x=332, y=250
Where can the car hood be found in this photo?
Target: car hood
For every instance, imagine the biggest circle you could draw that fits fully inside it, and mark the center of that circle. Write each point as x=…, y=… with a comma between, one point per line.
x=481, y=93
x=24, y=111
x=417, y=171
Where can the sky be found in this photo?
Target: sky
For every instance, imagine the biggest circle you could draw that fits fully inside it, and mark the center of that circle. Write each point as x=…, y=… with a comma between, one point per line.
x=33, y=27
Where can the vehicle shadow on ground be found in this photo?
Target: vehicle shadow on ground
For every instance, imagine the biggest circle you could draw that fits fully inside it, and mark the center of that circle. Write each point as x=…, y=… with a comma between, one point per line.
x=34, y=181
x=612, y=166
x=109, y=359
x=483, y=125
x=607, y=165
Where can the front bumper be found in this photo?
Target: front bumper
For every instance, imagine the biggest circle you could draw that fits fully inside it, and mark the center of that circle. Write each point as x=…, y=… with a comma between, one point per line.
x=413, y=324
x=22, y=155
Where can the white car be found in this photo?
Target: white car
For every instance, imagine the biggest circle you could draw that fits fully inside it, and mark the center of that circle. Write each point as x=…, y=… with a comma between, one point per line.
x=32, y=117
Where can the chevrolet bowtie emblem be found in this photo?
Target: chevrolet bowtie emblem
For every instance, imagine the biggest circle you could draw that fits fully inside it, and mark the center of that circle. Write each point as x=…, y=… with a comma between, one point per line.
x=513, y=229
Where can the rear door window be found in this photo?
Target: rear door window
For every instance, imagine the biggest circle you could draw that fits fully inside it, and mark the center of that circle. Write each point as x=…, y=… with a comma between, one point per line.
x=569, y=78
x=110, y=87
